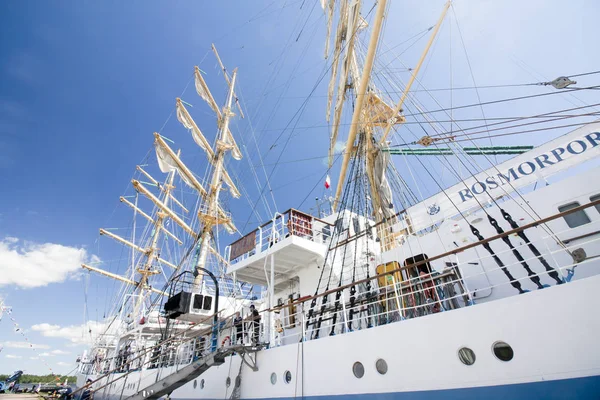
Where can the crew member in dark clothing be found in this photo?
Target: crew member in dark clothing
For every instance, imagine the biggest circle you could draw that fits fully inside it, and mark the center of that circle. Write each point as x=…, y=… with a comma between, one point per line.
x=238, y=324
x=255, y=318
x=87, y=393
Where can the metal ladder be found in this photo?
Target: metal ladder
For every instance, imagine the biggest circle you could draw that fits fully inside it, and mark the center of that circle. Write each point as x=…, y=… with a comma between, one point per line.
x=179, y=378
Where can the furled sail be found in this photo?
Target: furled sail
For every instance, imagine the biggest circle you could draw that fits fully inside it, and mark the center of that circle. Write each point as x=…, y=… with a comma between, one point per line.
x=329, y=13
x=337, y=51
x=168, y=161
x=205, y=94
x=203, y=91
x=353, y=23
x=186, y=120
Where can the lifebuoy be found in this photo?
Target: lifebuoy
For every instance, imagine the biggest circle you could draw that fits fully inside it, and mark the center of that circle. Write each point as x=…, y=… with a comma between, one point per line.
x=227, y=338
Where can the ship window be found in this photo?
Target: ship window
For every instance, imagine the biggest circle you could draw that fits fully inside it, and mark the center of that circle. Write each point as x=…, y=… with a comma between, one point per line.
x=466, y=356
x=228, y=382
x=381, y=366
x=576, y=218
x=596, y=197
x=273, y=378
x=195, y=383
x=287, y=377
x=358, y=369
x=198, y=299
x=356, y=223
x=326, y=231
x=424, y=267
x=503, y=351
x=207, y=303
x=202, y=384
x=339, y=225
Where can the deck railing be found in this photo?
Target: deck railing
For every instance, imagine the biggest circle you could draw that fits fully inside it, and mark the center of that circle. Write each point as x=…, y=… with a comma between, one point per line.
x=282, y=226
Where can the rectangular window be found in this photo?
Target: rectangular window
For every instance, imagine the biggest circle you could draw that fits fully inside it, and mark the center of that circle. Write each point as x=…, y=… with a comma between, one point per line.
x=356, y=223
x=339, y=225
x=576, y=218
x=198, y=299
x=596, y=197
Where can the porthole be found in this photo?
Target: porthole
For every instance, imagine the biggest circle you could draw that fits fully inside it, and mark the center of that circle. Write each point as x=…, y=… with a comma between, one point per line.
x=503, y=351
x=228, y=382
x=358, y=369
x=238, y=381
x=273, y=378
x=466, y=356
x=381, y=366
x=202, y=384
x=195, y=383
x=287, y=376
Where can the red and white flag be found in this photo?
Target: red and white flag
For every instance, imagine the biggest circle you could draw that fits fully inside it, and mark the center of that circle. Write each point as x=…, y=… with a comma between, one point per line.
x=327, y=182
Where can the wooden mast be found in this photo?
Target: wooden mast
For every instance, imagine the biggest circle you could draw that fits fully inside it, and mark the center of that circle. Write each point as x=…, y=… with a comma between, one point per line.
x=360, y=97
x=215, y=185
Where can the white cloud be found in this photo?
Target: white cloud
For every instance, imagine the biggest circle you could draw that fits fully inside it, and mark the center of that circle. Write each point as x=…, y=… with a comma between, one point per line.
x=46, y=354
x=59, y=352
x=12, y=356
x=34, y=358
x=30, y=265
x=24, y=345
x=63, y=364
x=76, y=334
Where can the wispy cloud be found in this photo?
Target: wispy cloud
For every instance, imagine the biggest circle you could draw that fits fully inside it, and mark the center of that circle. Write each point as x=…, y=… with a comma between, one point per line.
x=59, y=352
x=12, y=356
x=63, y=364
x=24, y=345
x=76, y=334
x=30, y=265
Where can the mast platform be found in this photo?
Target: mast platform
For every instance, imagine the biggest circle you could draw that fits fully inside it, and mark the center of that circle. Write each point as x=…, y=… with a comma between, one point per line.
x=288, y=241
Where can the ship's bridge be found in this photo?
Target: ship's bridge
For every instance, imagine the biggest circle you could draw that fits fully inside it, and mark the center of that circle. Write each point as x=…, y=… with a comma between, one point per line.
x=273, y=251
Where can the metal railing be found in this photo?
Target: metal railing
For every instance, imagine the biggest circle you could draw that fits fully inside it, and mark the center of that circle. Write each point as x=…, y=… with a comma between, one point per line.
x=282, y=226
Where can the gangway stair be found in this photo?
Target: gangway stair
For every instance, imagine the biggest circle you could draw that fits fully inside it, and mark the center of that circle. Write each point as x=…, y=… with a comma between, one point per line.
x=196, y=368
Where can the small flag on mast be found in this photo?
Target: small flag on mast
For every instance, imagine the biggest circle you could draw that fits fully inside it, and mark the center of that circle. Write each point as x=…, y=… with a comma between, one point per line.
x=327, y=182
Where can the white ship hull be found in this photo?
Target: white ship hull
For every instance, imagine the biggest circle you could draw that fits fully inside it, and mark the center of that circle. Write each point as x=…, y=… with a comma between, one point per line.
x=553, y=333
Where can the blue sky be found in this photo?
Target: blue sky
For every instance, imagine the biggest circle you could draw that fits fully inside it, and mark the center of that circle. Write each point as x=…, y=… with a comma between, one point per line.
x=83, y=85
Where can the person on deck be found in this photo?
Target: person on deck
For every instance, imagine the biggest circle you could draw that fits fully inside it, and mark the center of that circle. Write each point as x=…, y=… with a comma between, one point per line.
x=238, y=324
x=255, y=324
x=87, y=393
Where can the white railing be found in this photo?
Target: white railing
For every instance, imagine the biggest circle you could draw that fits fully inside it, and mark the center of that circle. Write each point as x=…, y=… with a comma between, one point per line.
x=282, y=226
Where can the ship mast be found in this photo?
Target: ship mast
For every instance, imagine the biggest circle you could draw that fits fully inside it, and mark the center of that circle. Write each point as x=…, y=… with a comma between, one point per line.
x=371, y=112
x=210, y=218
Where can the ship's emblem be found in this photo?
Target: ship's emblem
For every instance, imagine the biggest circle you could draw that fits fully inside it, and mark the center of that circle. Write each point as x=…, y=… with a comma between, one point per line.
x=433, y=209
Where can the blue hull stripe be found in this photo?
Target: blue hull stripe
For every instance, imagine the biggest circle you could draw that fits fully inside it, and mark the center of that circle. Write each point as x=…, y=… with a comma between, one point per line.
x=562, y=389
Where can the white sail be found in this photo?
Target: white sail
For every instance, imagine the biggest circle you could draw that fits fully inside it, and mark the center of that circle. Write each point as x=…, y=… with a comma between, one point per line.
x=186, y=120
x=203, y=91
x=562, y=153
x=353, y=20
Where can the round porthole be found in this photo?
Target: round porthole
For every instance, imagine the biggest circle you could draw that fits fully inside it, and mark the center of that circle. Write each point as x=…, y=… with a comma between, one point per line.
x=228, y=382
x=287, y=377
x=503, y=351
x=195, y=383
x=202, y=384
x=273, y=378
x=466, y=356
x=238, y=381
x=381, y=366
x=358, y=369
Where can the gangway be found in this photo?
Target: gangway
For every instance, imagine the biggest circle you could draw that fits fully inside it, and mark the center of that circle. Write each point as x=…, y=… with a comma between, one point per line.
x=179, y=378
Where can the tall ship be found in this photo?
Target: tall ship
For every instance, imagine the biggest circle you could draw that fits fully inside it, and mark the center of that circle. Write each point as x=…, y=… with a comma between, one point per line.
x=483, y=290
